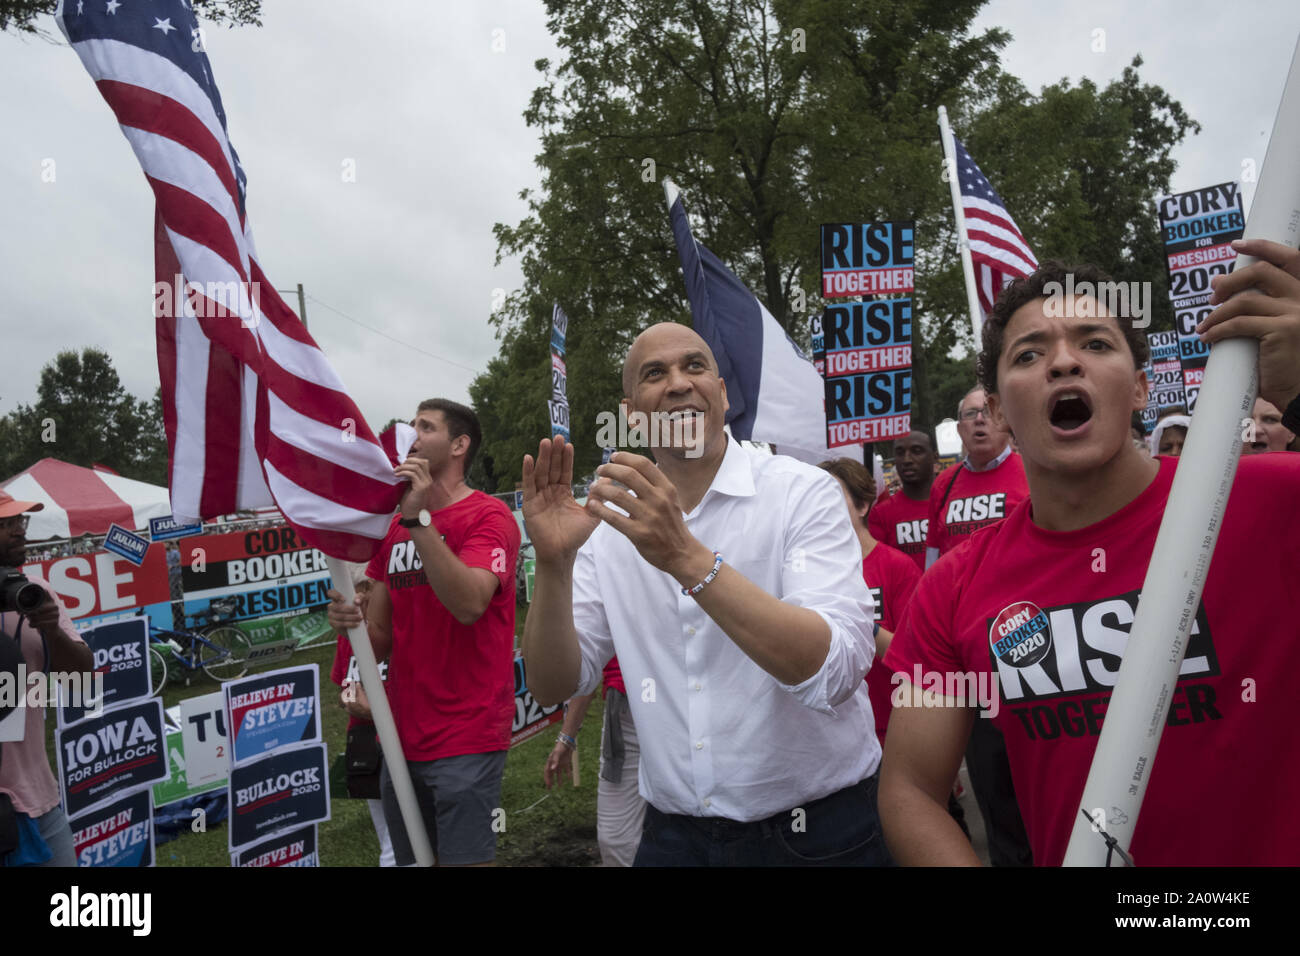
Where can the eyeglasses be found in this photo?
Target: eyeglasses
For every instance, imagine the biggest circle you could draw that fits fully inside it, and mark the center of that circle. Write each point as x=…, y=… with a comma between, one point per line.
x=15, y=525
x=970, y=414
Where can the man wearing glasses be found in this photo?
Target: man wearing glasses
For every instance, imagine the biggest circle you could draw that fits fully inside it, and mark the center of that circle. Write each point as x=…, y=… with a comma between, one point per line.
x=29, y=794
x=974, y=493
x=981, y=489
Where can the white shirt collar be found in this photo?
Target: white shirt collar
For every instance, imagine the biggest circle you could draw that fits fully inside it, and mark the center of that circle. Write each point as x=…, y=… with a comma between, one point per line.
x=734, y=476
x=1006, y=453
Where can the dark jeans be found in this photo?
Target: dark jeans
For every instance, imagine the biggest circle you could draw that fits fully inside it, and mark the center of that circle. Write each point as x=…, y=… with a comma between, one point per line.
x=842, y=829
x=990, y=778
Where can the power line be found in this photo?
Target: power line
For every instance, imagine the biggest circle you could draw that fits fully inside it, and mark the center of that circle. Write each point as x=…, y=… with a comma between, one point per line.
x=371, y=328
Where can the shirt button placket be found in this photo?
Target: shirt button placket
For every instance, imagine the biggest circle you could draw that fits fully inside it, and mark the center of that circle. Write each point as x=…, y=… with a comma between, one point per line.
x=697, y=706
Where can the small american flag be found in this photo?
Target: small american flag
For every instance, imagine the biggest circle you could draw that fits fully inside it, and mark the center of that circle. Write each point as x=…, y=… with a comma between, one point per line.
x=254, y=413
x=997, y=249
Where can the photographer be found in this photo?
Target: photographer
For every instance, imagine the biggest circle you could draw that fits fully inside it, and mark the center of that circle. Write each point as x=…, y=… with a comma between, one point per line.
x=30, y=815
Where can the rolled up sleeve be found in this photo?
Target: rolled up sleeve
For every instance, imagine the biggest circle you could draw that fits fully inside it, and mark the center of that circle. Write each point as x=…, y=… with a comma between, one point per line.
x=823, y=572
x=595, y=643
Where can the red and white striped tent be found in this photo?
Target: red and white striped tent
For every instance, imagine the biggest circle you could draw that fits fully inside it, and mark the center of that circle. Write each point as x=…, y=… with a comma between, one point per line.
x=84, y=501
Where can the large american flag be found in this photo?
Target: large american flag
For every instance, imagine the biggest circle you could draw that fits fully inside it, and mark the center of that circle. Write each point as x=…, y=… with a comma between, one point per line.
x=997, y=249
x=254, y=413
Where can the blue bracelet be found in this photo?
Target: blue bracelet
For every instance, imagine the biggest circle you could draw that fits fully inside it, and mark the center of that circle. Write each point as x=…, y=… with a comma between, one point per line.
x=717, y=566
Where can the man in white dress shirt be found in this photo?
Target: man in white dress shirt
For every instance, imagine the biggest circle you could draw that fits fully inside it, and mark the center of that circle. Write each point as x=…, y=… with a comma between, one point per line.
x=729, y=583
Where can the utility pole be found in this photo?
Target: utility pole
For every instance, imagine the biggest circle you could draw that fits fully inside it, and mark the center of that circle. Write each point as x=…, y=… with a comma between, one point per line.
x=302, y=304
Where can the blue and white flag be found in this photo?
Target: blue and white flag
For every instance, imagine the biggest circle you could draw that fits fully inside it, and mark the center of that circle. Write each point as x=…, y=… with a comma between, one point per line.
x=773, y=388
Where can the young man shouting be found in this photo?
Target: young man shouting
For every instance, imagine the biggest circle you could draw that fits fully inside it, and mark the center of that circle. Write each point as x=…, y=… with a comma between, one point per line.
x=1061, y=577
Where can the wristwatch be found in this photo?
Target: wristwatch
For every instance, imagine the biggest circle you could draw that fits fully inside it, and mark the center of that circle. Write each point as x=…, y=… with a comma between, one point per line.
x=422, y=520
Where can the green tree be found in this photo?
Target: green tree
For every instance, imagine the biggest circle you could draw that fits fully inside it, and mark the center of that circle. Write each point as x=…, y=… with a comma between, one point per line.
x=775, y=117
x=83, y=415
x=151, y=453
x=22, y=16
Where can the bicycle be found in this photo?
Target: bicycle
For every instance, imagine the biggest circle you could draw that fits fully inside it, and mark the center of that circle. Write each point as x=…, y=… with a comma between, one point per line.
x=216, y=648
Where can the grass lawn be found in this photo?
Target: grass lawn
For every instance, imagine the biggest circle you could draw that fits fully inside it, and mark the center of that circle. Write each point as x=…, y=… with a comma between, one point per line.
x=541, y=828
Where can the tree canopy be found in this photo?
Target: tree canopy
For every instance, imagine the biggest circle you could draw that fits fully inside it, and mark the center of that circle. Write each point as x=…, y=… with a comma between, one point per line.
x=775, y=116
x=85, y=416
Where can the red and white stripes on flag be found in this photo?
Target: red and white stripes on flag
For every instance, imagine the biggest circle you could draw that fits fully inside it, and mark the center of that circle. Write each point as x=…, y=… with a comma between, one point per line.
x=998, y=251
x=253, y=411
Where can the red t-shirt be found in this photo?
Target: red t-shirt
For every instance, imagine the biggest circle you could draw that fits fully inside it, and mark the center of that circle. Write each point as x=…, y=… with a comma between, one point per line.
x=901, y=523
x=976, y=499
x=892, y=578
x=613, y=678
x=1225, y=776
x=451, y=685
x=344, y=668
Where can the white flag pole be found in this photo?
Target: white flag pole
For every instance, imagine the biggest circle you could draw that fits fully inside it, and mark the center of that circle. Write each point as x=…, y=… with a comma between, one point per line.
x=1122, y=765
x=383, y=718
x=963, y=240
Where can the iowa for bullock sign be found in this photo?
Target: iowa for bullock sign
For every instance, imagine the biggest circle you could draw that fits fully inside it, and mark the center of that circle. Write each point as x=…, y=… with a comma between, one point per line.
x=120, y=749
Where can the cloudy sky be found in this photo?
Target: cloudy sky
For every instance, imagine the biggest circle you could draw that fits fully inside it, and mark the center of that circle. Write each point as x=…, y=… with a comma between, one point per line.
x=424, y=101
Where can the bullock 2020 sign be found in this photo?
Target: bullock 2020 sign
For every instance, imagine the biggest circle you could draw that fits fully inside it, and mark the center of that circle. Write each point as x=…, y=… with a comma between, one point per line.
x=288, y=788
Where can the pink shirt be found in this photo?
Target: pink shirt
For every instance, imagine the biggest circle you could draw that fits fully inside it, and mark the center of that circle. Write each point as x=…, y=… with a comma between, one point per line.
x=25, y=772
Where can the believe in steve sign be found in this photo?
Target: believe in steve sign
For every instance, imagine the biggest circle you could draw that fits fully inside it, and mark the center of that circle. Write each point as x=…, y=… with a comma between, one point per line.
x=115, y=834
x=291, y=848
x=273, y=710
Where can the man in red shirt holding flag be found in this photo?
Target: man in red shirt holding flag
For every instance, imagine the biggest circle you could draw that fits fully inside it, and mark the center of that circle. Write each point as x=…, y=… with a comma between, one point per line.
x=444, y=605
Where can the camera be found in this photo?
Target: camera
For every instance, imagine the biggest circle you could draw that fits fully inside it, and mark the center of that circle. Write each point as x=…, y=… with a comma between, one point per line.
x=17, y=593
